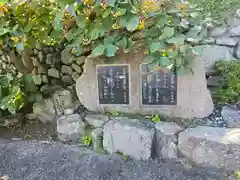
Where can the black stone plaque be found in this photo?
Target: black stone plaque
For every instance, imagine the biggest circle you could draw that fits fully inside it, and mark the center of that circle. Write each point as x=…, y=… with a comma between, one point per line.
x=113, y=84
x=158, y=87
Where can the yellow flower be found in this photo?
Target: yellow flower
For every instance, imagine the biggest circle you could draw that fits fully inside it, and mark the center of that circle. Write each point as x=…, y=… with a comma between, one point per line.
x=85, y=2
x=115, y=26
x=3, y=9
x=182, y=7
x=141, y=25
x=163, y=51
x=15, y=39
x=116, y=14
x=150, y=5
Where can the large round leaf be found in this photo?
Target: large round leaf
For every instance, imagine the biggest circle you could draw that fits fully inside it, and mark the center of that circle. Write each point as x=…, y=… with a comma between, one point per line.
x=133, y=23
x=111, y=50
x=99, y=50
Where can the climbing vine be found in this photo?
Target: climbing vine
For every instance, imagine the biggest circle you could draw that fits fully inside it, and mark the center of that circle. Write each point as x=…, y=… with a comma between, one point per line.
x=163, y=29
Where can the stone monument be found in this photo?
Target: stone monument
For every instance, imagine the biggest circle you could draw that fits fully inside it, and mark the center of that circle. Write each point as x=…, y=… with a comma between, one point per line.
x=123, y=83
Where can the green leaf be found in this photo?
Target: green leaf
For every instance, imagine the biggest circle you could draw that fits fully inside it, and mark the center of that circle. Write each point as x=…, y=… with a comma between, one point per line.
x=78, y=50
x=28, y=27
x=134, y=10
x=149, y=59
x=65, y=2
x=71, y=10
x=172, y=54
x=107, y=12
x=99, y=50
x=3, y=2
x=123, y=21
x=129, y=45
x=156, y=46
x=167, y=32
x=173, y=11
x=111, y=2
x=122, y=43
x=177, y=40
x=108, y=40
x=57, y=22
x=111, y=50
x=94, y=34
x=69, y=36
x=27, y=83
x=80, y=21
x=164, y=61
x=133, y=23
x=4, y=31
x=122, y=11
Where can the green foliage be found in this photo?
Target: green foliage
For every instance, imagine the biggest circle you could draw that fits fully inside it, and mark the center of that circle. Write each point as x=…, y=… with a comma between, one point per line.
x=237, y=175
x=217, y=9
x=155, y=118
x=231, y=72
x=16, y=92
x=114, y=114
x=123, y=155
x=104, y=27
x=87, y=140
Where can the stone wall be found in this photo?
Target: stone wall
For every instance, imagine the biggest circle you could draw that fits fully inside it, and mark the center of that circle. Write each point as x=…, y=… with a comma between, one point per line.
x=50, y=66
x=142, y=139
x=222, y=43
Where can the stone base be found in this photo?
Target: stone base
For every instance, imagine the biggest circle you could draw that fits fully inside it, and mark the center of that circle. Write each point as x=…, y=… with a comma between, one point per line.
x=194, y=99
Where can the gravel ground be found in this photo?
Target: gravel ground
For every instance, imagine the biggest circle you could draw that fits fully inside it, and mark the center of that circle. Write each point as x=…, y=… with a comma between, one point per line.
x=35, y=160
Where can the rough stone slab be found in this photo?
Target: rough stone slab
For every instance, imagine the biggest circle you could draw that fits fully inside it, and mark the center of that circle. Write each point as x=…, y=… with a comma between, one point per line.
x=57, y=161
x=96, y=121
x=45, y=111
x=213, y=53
x=194, y=99
x=231, y=115
x=131, y=137
x=53, y=72
x=66, y=56
x=218, y=31
x=70, y=127
x=67, y=79
x=66, y=69
x=166, y=140
x=37, y=79
x=211, y=146
x=226, y=41
x=168, y=128
x=62, y=99
x=235, y=31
